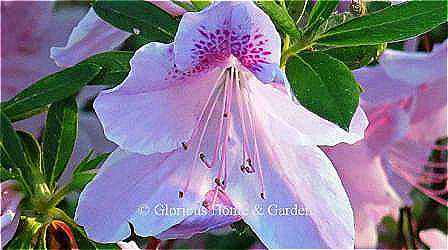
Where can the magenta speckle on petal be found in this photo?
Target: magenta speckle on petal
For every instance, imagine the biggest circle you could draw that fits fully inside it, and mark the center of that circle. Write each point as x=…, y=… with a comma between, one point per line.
x=218, y=44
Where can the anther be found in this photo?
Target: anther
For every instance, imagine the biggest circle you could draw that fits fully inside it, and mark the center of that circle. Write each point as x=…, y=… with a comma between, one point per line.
x=184, y=146
x=226, y=115
x=205, y=204
x=242, y=167
x=262, y=195
x=181, y=194
x=203, y=158
x=219, y=183
x=246, y=167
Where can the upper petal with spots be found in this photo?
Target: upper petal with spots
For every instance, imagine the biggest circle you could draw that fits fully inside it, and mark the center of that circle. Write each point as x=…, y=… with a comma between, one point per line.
x=228, y=28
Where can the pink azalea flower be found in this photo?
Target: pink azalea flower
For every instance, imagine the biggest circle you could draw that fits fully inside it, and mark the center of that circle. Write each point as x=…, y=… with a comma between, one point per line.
x=434, y=238
x=405, y=100
x=10, y=213
x=92, y=35
x=196, y=127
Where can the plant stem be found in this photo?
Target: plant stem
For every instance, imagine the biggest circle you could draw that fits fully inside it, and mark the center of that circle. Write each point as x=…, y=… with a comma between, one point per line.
x=59, y=196
x=299, y=46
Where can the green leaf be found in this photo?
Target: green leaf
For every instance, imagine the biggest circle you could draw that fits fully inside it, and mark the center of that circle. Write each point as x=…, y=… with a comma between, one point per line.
x=241, y=237
x=373, y=6
x=280, y=17
x=395, y=23
x=200, y=4
x=296, y=8
x=115, y=67
x=52, y=88
x=86, y=170
x=335, y=20
x=59, y=138
x=32, y=149
x=12, y=153
x=324, y=85
x=320, y=12
x=87, y=164
x=81, y=179
x=139, y=17
x=358, y=56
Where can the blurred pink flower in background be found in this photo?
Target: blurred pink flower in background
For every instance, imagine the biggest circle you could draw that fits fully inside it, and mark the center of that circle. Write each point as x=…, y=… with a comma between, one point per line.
x=30, y=26
x=10, y=211
x=33, y=27
x=405, y=101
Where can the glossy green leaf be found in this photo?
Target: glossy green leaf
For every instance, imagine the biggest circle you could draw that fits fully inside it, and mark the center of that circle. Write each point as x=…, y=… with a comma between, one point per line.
x=138, y=17
x=52, y=88
x=395, y=23
x=200, y=4
x=59, y=138
x=86, y=170
x=373, y=6
x=81, y=179
x=115, y=67
x=12, y=152
x=31, y=148
x=296, y=8
x=320, y=12
x=335, y=20
x=88, y=164
x=280, y=17
x=358, y=56
x=324, y=85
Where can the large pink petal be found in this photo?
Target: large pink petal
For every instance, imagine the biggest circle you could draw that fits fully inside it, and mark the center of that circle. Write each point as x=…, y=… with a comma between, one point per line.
x=210, y=217
x=151, y=111
x=92, y=35
x=294, y=124
x=134, y=188
x=293, y=175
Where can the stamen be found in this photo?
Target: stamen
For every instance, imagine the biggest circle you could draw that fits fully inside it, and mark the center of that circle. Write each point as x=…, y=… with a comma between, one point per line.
x=224, y=161
x=216, y=91
x=243, y=123
x=221, y=123
x=256, y=151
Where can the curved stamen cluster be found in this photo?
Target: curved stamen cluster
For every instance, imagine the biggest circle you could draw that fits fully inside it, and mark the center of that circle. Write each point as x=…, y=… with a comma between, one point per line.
x=228, y=89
